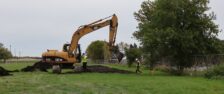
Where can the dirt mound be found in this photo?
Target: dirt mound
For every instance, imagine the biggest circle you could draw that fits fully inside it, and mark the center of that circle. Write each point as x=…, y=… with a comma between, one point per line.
x=4, y=72
x=101, y=69
x=40, y=66
x=37, y=66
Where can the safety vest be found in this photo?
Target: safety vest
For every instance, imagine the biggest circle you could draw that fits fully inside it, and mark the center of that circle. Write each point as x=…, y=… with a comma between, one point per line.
x=84, y=59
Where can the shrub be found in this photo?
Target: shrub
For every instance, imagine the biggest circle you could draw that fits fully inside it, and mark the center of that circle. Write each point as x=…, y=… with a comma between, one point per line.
x=162, y=68
x=98, y=50
x=215, y=72
x=132, y=54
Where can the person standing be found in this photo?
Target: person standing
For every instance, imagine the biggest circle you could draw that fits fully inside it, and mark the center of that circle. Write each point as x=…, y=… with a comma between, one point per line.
x=84, y=62
x=138, y=66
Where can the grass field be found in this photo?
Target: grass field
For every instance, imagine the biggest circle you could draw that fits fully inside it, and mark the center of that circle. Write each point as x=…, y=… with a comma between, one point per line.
x=102, y=83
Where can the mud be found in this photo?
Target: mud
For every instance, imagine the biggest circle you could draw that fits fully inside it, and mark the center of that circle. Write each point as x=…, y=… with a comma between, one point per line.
x=100, y=69
x=38, y=66
x=4, y=72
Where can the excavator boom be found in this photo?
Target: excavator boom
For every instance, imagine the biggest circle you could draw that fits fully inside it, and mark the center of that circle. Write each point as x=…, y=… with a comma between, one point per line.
x=85, y=29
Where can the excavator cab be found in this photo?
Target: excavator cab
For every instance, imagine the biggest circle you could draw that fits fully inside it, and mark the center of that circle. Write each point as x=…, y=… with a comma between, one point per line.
x=66, y=47
x=77, y=54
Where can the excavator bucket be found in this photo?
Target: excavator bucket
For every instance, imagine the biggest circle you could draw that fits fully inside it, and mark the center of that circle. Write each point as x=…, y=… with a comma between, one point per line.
x=116, y=54
x=120, y=56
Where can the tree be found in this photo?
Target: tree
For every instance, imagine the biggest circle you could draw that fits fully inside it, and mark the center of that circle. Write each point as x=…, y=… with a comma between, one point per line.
x=122, y=46
x=177, y=30
x=1, y=45
x=132, y=53
x=98, y=50
x=4, y=53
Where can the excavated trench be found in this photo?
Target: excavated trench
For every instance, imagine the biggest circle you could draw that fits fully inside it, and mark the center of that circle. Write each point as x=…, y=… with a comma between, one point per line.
x=36, y=66
x=4, y=72
x=39, y=66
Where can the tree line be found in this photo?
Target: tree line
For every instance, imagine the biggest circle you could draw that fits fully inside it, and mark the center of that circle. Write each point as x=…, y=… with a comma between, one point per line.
x=4, y=53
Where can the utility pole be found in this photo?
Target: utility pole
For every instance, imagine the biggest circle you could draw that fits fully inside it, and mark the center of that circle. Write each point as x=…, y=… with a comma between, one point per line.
x=19, y=54
x=15, y=53
x=10, y=48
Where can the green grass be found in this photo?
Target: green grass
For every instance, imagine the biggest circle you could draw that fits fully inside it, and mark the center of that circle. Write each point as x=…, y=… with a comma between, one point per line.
x=14, y=66
x=101, y=83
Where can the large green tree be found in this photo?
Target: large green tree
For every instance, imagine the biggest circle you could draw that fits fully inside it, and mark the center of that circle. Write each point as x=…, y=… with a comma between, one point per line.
x=98, y=50
x=177, y=30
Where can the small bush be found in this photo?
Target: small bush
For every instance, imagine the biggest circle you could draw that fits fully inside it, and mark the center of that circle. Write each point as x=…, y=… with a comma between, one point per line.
x=162, y=68
x=215, y=72
x=168, y=69
x=132, y=54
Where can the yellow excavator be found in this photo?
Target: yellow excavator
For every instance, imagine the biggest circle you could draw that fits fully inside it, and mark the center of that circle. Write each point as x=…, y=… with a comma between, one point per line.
x=71, y=53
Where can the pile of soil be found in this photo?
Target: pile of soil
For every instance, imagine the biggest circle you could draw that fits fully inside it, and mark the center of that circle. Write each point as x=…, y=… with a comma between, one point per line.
x=101, y=69
x=4, y=72
x=38, y=66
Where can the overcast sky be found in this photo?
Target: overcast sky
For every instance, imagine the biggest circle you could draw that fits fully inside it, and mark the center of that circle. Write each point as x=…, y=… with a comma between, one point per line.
x=33, y=26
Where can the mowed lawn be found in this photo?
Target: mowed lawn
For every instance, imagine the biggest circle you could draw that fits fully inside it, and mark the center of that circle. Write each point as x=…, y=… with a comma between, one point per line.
x=104, y=83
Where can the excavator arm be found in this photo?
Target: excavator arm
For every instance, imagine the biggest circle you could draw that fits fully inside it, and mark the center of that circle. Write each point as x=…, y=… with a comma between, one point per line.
x=83, y=30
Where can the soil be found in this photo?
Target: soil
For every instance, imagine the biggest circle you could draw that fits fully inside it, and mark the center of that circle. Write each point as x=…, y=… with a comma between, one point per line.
x=4, y=72
x=100, y=69
x=37, y=66
x=40, y=66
